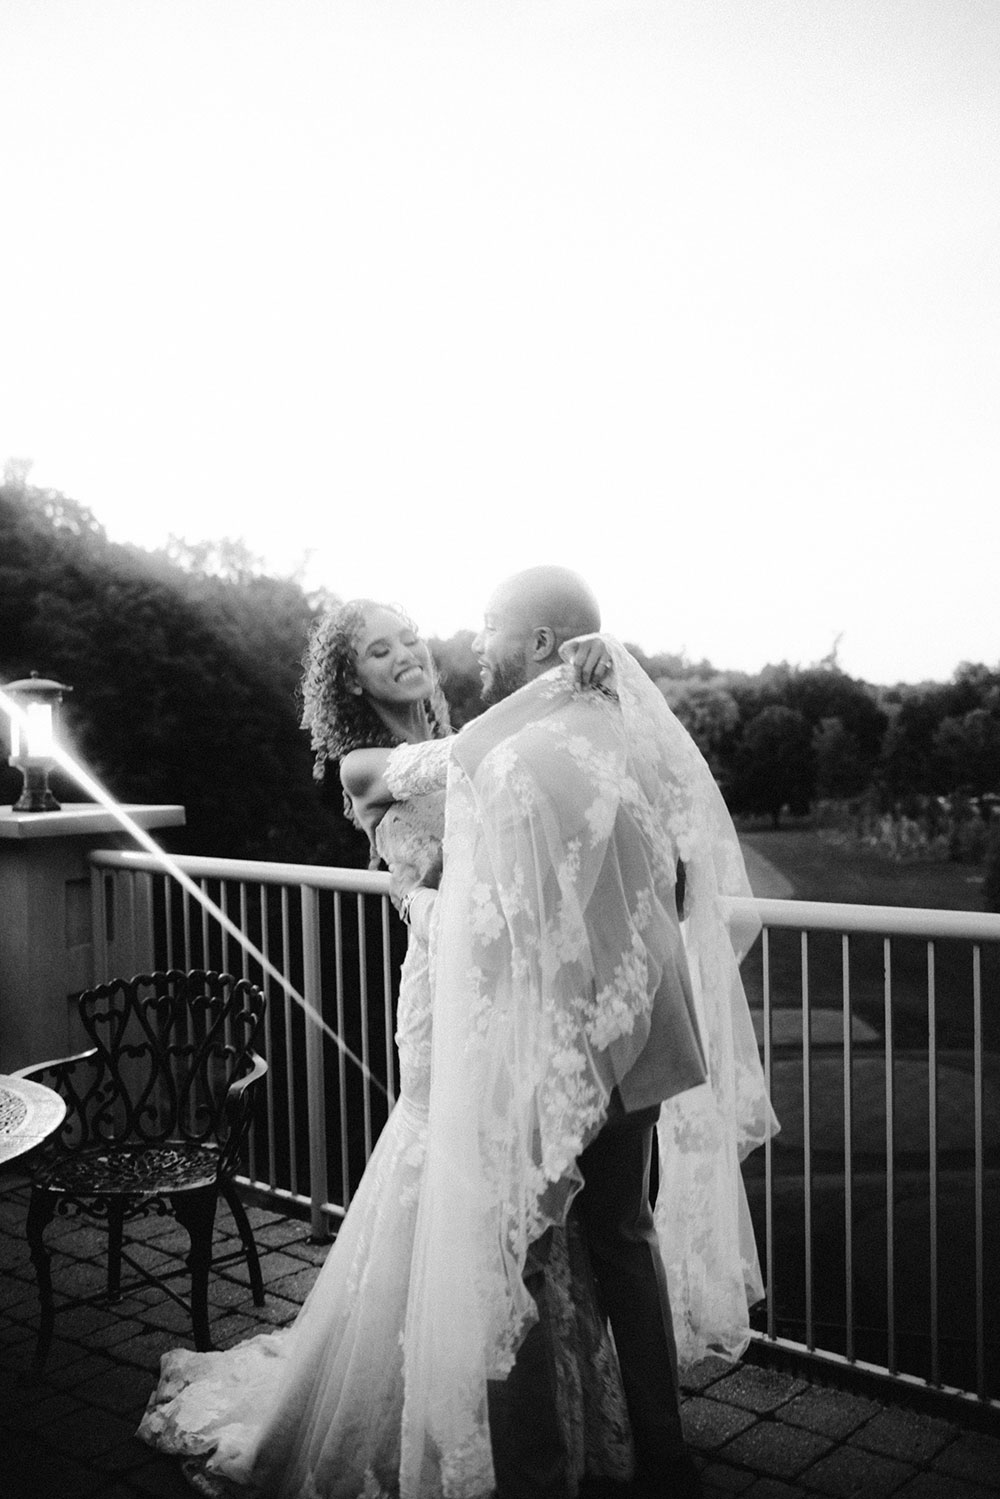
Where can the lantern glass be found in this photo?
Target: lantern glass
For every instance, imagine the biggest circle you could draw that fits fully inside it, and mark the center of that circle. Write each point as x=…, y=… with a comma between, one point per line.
x=38, y=733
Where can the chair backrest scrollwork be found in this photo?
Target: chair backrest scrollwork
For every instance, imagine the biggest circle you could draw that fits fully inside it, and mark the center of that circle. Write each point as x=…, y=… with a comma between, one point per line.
x=168, y=1046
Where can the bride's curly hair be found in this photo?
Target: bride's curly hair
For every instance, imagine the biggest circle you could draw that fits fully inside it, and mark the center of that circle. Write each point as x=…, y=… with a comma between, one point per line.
x=338, y=719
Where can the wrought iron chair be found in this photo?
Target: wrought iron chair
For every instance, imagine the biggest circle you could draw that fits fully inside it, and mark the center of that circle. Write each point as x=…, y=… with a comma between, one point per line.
x=158, y=1111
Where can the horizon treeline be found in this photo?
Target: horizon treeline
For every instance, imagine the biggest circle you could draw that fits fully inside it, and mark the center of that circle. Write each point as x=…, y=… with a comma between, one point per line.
x=186, y=661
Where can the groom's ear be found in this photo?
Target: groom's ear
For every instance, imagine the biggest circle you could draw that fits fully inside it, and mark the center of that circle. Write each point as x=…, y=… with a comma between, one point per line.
x=543, y=643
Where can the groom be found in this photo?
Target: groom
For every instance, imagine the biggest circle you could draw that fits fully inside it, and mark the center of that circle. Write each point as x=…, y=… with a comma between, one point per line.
x=528, y=618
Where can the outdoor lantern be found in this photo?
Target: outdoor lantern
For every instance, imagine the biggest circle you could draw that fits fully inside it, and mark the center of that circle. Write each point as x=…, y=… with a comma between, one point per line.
x=32, y=742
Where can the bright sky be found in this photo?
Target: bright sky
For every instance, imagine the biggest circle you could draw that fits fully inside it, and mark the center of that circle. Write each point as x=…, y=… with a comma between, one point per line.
x=699, y=297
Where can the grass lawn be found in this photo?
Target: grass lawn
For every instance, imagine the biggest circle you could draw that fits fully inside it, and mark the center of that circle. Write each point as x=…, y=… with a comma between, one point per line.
x=819, y=870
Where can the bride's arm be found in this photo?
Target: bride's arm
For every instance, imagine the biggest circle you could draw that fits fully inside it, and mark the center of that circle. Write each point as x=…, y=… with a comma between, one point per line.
x=362, y=775
x=375, y=777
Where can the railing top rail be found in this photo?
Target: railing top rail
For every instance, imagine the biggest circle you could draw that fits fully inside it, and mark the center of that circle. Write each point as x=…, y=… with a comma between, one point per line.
x=795, y=915
x=252, y=871
x=889, y=921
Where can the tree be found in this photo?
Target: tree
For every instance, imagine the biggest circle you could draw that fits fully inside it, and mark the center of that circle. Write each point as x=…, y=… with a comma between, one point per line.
x=185, y=685
x=968, y=750
x=775, y=767
x=942, y=734
x=709, y=713
x=991, y=882
x=841, y=768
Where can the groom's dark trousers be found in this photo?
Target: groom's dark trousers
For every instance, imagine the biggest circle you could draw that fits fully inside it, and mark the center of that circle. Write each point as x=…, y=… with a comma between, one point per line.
x=617, y=1221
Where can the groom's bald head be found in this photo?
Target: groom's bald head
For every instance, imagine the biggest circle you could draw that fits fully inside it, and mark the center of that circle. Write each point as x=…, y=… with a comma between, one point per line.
x=552, y=598
x=528, y=617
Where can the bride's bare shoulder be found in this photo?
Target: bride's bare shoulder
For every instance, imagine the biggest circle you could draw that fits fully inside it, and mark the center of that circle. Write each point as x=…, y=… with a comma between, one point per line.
x=362, y=769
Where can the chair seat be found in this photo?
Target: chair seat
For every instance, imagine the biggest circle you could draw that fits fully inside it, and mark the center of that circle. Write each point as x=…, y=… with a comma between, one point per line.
x=131, y=1170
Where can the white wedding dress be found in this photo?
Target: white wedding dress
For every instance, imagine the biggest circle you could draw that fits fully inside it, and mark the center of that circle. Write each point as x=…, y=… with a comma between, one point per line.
x=314, y=1411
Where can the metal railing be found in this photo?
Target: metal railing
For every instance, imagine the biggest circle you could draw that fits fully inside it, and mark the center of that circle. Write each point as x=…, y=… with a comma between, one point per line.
x=877, y=1207
x=332, y=934
x=878, y=1204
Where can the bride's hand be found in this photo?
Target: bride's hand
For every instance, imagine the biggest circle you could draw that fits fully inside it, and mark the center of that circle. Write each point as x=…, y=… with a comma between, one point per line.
x=402, y=879
x=591, y=662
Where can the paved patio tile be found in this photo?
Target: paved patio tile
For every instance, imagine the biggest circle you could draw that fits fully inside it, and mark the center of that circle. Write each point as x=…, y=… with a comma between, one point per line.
x=833, y=1413
x=79, y=1433
x=706, y=1372
x=148, y=1347
x=161, y=1479
x=130, y=1453
x=297, y=1286
x=72, y=1277
x=278, y=1235
x=847, y=1472
x=13, y=1289
x=935, y=1485
x=721, y=1479
x=77, y=1237
x=54, y=1407
x=20, y=1359
x=168, y=1236
x=312, y=1254
x=234, y=1327
x=83, y=1322
x=12, y=1333
x=775, y=1488
x=168, y=1315
x=905, y=1434
x=260, y=1217
x=24, y=1389
x=113, y=1326
x=973, y=1456
x=123, y=1389
x=709, y=1423
x=757, y=1389
x=32, y=1471
x=76, y=1376
x=278, y=1264
x=224, y=1295
x=278, y=1309
x=756, y=1432
x=776, y=1450
x=150, y=1255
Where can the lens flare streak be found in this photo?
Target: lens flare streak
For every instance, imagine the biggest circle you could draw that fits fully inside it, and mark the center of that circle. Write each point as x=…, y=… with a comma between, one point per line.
x=94, y=789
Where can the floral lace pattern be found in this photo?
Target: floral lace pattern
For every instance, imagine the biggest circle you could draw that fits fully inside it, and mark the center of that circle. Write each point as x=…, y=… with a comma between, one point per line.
x=316, y=1410
x=560, y=973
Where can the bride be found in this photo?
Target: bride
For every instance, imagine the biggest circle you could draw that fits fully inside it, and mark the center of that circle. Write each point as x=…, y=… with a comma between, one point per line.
x=313, y=1411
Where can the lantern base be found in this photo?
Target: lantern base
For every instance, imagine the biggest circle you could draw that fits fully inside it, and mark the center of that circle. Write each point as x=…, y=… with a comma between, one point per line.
x=35, y=796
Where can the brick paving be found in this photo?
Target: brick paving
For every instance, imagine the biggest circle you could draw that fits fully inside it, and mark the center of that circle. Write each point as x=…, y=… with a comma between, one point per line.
x=757, y=1431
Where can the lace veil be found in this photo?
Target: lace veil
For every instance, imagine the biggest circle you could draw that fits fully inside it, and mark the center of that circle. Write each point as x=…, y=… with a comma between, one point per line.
x=556, y=953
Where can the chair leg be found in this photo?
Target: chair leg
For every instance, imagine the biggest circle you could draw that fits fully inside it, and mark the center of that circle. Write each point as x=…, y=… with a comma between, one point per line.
x=116, y=1222
x=40, y=1212
x=195, y=1211
x=239, y=1213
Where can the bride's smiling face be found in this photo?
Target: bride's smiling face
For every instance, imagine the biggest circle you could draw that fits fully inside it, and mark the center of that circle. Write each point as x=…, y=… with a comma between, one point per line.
x=392, y=664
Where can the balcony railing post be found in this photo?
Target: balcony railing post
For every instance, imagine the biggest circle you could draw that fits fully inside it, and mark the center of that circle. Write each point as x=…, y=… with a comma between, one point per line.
x=315, y=1079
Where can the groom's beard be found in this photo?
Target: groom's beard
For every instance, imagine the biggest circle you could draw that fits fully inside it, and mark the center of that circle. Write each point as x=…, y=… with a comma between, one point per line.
x=506, y=677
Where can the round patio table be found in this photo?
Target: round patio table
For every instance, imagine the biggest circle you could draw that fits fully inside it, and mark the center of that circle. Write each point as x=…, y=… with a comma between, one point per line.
x=29, y=1112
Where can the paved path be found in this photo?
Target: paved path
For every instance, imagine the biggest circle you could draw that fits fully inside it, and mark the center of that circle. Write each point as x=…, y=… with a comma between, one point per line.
x=766, y=881
x=756, y=1431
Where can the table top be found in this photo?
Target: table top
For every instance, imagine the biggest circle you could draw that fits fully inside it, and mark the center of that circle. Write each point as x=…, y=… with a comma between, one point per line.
x=29, y=1112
